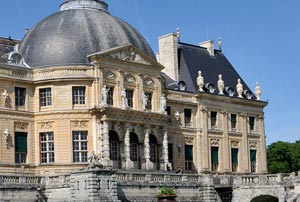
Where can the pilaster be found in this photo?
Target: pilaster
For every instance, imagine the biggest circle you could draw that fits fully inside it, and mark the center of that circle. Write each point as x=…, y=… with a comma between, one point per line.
x=245, y=167
x=226, y=150
x=105, y=141
x=205, y=144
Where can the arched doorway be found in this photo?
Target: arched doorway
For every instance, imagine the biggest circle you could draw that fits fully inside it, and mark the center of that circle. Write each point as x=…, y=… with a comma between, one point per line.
x=135, y=150
x=265, y=198
x=114, y=149
x=154, y=151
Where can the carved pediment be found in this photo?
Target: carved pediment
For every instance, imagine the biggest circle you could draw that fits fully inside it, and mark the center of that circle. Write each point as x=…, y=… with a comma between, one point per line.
x=127, y=53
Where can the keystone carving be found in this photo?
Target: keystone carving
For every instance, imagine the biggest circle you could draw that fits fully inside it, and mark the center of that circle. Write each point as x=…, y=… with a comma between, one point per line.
x=21, y=125
x=253, y=145
x=46, y=125
x=80, y=124
x=215, y=142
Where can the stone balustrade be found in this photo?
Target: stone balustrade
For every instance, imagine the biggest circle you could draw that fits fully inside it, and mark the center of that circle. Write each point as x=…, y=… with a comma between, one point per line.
x=11, y=179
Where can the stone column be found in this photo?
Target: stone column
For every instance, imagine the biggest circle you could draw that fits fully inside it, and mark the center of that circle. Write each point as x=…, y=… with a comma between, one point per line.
x=128, y=162
x=244, y=166
x=105, y=141
x=205, y=145
x=165, y=151
x=262, y=145
x=148, y=163
x=226, y=150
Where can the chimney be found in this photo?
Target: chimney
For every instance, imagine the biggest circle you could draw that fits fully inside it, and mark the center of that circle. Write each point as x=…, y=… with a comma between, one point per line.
x=168, y=55
x=209, y=45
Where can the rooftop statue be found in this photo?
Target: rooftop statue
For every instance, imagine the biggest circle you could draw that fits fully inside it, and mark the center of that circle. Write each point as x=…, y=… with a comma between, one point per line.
x=200, y=81
x=221, y=85
x=257, y=91
x=239, y=88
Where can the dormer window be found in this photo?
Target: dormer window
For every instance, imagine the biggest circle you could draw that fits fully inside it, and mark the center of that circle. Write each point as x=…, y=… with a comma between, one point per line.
x=182, y=86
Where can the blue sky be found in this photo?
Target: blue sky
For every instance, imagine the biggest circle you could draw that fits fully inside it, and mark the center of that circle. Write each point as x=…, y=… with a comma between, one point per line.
x=260, y=38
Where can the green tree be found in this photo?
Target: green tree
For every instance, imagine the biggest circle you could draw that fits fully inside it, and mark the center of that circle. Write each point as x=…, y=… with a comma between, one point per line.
x=280, y=157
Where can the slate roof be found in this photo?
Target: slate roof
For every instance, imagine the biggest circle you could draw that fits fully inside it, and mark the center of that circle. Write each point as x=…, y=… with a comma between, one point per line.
x=67, y=37
x=6, y=46
x=194, y=58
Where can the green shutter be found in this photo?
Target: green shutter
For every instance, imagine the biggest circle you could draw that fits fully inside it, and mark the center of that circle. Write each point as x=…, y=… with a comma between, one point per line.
x=215, y=155
x=234, y=155
x=188, y=152
x=252, y=155
x=21, y=142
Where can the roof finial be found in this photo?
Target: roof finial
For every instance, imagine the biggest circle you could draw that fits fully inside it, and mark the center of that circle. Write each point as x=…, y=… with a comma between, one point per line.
x=220, y=43
x=178, y=34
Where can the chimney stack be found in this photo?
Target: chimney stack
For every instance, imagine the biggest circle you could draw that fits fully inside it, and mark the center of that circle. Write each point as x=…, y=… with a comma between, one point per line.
x=209, y=45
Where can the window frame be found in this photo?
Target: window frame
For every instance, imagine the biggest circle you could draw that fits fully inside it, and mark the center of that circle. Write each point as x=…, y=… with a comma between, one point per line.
x=129, y=97
x=110, y=96
x=188, y=117
x=49, y=153
x=213, y=120
x=45, y=95
x=233, y=122
x=20, y=96
x=82, y=143
x=78, y=95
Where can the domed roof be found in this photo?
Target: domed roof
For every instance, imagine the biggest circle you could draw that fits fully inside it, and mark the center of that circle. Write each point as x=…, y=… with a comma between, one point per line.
x=68, y=36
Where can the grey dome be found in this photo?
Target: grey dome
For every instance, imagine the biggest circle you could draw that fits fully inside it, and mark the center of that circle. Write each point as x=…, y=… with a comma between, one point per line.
x=67, y=37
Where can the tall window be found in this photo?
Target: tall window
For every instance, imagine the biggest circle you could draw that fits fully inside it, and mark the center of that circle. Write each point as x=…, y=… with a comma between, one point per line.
x=214, y=158
x=170, y=153
x=110, y=96
x=187, y=117
x=253, y=160
x=213, y=119
x=168, y=110
x=45, y=97
x=153, y=148
x=20, y=147
x=149, y=101
x=134, y=147
x=114, y=145
x=78, y=95
x=80, y=141
x=47, y=147
x=234, y=159
x=188, y=157
x=233, y=121
x=20, y=96
x=251, y=123
x=129, y=96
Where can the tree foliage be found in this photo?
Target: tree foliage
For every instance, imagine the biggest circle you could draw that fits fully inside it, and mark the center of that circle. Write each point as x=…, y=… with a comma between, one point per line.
x=283, y=157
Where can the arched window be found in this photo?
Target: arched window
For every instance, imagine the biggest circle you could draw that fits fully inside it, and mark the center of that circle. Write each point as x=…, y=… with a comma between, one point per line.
x=114, y=145
x=134, y=147
x=153, y=148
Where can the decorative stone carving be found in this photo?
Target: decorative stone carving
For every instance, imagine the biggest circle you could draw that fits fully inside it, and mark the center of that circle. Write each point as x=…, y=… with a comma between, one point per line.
x=177, y=116
x=215, y=142
x=257, y=91
x=235, y=143
x=163, y=103
x=96, y=161
x=124, y=100
x=131, y=55
x=253, y=145
x=221, y=85
x=200, y=81
x=110, y=76
x=104, y=95
x=80, y=124
x=144, y=99
x=21, y=125
x=148, y=83
x=129, y=79
x=203, y=109
x=239, y=88
x=46, y=125
x=189, y=139
x=5, y=95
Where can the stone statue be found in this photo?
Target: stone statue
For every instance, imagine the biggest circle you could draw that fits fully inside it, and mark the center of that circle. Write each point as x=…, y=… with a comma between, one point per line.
x=124, y=99
x=104, y=94
x=145, y=99
x=98, y=162
x=163, y=103
x=5, y=95
x=221, y=85
x=257, y=91
x=200, y=81
x=239, y=88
